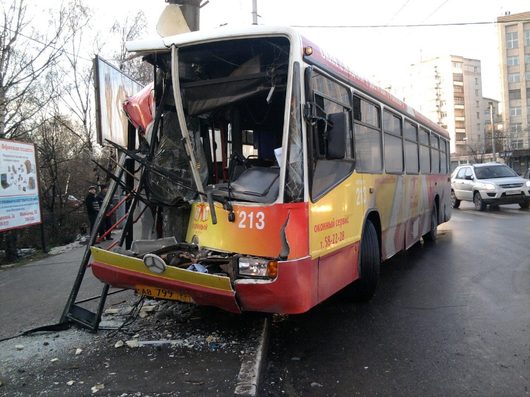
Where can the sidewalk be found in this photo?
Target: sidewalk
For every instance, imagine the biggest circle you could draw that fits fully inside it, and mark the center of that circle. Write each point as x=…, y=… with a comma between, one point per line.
x=170, y=349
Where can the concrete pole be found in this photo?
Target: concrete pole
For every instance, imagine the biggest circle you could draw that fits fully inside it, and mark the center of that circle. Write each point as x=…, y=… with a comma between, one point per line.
x=492, y=132
x=191, y=11
x=254, y=12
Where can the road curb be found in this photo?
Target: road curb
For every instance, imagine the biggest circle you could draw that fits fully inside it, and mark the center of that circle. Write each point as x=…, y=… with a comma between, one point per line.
x=252, y=365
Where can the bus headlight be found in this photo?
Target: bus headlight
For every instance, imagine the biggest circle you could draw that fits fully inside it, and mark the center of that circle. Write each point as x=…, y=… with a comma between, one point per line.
x=257, y=267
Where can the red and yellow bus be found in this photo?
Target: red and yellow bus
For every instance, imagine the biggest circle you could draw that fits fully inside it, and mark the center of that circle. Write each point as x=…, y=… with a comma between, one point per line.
x=276, y=177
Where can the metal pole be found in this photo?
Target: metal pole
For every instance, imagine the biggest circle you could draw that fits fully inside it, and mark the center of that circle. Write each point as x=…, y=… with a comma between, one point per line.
x=492, y=132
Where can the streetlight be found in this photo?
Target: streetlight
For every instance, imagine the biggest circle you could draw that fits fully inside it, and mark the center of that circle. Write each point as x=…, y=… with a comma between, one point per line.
x=492, y=132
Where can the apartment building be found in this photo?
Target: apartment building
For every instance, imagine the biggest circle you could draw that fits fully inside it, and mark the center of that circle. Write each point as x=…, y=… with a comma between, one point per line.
x=514, y=47
x=448, y=90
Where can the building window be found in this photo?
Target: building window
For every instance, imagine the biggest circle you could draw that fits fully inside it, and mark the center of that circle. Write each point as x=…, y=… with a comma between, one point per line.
x=476, y=92
x=478, y=115
x=477, y=103
x=476, y=80
x=527, y=59
x=511, y=40
x=527, y=74
x=516, y=127
x=515, y=111
x=513, y=61
x=527, y=37
x=517, y=143
x=457, y=65
x=513, y=78
x=459, y=100
x=514, y=94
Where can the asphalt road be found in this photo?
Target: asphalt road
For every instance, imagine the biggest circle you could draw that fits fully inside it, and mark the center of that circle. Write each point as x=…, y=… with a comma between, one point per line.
x=165, y=349
x=449, y=319
x=35, y=294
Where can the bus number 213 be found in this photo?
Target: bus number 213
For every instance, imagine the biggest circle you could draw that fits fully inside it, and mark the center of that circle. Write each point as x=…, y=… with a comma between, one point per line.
x=251, y=220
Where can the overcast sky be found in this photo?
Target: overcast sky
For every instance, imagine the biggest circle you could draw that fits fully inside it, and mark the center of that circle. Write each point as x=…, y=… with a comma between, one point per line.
x=381, y=53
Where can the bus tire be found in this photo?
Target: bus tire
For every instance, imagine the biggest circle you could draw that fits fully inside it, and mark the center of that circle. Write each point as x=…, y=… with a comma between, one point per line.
x=363, y=289
x=433, y=232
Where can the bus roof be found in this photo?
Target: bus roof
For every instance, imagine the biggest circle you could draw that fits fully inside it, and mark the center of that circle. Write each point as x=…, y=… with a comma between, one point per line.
x=319, y=57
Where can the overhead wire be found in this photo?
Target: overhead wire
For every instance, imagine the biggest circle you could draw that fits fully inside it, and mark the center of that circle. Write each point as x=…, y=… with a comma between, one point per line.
x=398, y=11
x=418, y=25
x=436, y=10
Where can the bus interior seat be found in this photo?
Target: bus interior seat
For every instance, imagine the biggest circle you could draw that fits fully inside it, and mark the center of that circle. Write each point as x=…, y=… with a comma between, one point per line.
x=255, y=184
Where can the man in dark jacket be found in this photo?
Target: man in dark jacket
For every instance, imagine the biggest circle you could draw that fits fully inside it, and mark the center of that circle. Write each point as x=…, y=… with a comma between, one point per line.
x=92, y=206
x=106, y=221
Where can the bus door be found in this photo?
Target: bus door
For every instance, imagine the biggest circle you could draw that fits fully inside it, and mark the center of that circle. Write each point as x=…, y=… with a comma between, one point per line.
x=331, y=182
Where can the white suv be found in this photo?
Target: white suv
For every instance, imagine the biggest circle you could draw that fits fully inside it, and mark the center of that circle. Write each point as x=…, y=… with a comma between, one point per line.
x=490, y=183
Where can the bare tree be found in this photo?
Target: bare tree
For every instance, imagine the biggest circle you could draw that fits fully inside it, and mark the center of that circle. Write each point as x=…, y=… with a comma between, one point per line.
x=26, y=56
x=65, y=170
x=132, y=28
x=73, y=79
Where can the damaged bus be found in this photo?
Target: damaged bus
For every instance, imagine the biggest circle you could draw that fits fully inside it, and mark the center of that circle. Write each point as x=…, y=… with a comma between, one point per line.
x=272, y=176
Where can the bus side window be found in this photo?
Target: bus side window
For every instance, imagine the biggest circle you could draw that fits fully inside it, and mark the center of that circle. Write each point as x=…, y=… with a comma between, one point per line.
x=332, y=135
x=411, y=148
x=435, y=154
x=393, y=142
x=368, y=136
x=425, y=157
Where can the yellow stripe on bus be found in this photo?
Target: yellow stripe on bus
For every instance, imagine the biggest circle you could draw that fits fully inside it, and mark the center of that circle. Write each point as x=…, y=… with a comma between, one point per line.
x=171, y=274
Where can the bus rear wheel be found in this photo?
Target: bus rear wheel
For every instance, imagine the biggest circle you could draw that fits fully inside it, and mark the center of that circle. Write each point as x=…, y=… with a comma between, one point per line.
x=363, y=289
x=433, y=232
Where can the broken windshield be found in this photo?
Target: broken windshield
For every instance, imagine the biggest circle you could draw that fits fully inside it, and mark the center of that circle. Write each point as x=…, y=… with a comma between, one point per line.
x=233, y=99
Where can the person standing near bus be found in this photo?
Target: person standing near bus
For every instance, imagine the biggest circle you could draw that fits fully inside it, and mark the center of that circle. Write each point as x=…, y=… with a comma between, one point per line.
x=106, y=221
x=92, y=206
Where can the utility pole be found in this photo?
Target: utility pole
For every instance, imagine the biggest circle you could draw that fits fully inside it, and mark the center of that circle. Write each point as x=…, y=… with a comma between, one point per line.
x=254, y=12
x=191, y=11
x=492, y=132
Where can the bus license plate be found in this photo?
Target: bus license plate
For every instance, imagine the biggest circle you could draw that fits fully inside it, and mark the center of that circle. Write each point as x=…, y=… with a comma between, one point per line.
x=162, y=293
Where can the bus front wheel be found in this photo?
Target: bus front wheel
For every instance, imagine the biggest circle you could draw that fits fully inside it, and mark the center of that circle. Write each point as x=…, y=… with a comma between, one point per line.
x=370, y=262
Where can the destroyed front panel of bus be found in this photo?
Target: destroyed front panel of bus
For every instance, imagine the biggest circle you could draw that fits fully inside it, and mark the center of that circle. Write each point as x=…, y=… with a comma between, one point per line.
x=223, y=180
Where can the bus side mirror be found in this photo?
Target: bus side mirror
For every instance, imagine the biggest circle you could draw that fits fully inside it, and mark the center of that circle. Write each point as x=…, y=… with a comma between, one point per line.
x=337, y=128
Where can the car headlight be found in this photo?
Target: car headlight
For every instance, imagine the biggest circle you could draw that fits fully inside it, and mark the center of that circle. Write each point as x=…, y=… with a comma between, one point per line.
x=486, y=186
x=257, y=267
x=527, y=183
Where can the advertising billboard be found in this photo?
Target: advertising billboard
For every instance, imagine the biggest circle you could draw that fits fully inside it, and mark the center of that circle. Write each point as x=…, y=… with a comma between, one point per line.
x=19, y=190
x=113, y=87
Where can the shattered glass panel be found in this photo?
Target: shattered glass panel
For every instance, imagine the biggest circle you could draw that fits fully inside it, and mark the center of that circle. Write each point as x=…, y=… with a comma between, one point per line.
x=294, y=185
x=171, y=156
